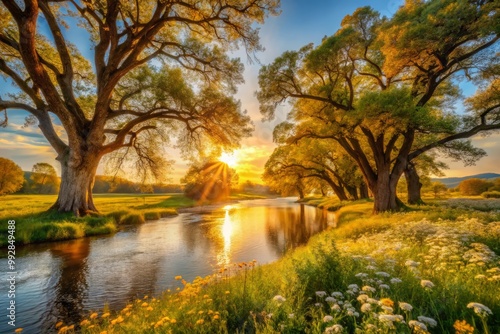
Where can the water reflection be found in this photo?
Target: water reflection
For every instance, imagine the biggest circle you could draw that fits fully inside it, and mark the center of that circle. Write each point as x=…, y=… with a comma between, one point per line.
x=64, y=281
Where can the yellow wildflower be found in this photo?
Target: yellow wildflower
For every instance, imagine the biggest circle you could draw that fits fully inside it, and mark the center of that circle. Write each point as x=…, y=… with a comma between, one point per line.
x=149, y=308
x=105, y=315
x=462, y=327
x=93, y=315
x=59, y=324
x=84, y=322
x=18, y=330
x=200, y=322
x=216, y=317
x=144, y=304
x=178, y=278
x=227, y=292
x=63, y=329
x=173, y=321
x=386, y=302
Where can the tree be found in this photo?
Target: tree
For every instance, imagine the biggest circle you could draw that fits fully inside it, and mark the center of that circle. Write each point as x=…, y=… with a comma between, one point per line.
x=438, y=188
x=44, y=178
x=159, y=72
x=378, y=85
x=11, y=177
x=474, y=187
x=211, y=181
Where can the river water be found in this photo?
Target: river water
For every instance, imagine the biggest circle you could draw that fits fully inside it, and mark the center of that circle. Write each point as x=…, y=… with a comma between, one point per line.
x=64, y=281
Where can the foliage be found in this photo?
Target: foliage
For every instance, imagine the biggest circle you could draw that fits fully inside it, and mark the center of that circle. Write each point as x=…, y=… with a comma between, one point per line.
x=11, y=177
x=210, y=181
x=159, y=74
x=473, y=187
x=491, y=194
x=383, y=88
x=44, y=179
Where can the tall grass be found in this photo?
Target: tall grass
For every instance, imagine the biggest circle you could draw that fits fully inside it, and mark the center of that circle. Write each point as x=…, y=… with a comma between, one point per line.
x=420, y=272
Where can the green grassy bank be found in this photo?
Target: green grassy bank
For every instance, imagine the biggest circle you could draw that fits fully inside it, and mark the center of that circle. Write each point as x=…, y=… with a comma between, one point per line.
x=34, y=224
x=432, y=269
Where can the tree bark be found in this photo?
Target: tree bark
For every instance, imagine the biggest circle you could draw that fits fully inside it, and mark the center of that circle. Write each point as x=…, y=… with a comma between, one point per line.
x=413, y=185
x=384, y=193
x=363, y=191
x=77, y=181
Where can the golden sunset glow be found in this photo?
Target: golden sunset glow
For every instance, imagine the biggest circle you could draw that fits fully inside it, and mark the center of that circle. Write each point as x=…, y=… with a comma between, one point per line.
x=229, y=159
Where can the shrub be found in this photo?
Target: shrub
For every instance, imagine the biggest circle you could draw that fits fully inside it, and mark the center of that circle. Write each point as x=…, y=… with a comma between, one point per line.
x=133, y=218
x=491, y=194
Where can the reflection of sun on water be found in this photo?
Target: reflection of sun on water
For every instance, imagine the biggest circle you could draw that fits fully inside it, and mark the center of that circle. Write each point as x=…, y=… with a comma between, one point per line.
x=224, y=257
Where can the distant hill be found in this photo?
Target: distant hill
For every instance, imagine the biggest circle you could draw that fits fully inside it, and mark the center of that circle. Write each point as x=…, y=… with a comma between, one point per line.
x=452, y=182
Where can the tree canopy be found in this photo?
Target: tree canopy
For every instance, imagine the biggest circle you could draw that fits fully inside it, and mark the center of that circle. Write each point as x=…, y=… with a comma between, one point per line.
x=11, y=177
x=44, y=178
x=159, y=73
x=384, y=89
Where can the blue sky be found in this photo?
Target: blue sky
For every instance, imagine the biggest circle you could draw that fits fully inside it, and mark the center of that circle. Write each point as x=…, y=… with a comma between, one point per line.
x=301, y=22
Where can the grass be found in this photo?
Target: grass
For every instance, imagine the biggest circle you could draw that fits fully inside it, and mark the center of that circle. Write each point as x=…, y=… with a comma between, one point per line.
x=431, y=269
x=35, y=224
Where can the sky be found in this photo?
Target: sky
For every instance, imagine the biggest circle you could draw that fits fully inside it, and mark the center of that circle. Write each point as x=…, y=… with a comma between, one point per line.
x=301, y=22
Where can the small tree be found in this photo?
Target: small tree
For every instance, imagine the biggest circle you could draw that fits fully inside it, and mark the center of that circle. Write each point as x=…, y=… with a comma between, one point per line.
x=209, y=181
x=473, y=187
x=11, y=177
x=438, y=188
x=44, y=177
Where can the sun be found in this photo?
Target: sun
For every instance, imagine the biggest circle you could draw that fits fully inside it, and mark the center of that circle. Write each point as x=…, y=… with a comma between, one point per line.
x=229, y=159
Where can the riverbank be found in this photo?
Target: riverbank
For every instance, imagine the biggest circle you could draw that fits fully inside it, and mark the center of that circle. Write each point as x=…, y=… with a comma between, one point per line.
x=35, y=225
x=431, y=269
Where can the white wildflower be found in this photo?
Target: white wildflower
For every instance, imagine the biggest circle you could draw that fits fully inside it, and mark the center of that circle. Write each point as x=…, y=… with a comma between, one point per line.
x=366, y=307
x=387, y=309
x=318, y=305
x=396, y=280
x=337, y=294
x=362, y=298
x=279, y=298
x=368, y=288
x=353, y=287
x=320, y=293
x=429, y=321
x=411, y=263
x=382, y=274
x=415, y=323
x=330, y=300
x=361, y=275
x=291, y=316
x=327, y=318
x=480, y=309
x=426, y=284
x=336, y=308
x=384, y=287
x=372, y=301
x=405, y=306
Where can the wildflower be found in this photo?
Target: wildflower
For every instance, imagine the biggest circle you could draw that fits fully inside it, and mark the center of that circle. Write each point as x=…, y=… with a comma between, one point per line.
x=382, y=274
x=173, y=321
x=279, y=298
x=405, y=306
x=178, y=278
x=216, y=317
x=320, y=293
x=396, y=280
x=330, y=300
x=336, y=308
x=334, y=329
x=418, y=324
x=372, y=301
x=366, y=307
x=60, y=323
x=370, y=267
x=18, y=330
x=480, y=276
x=317, y=304
x=362, y=298
x=387, y=309
x=462, y=327
x=368, y=288
x=411, y=263
x=384, y=287
x=480, y=309
x=353, y=287
x=200, y=322
x=429, y=321
x=337, y=294
x=144, y=304
x=105, y=315
x=426, y=284
x=327, y=318
x=227, y=292
x=92, y=316
x=386, y=302
x=291, y=316
x=361, y=275
x=84, y=322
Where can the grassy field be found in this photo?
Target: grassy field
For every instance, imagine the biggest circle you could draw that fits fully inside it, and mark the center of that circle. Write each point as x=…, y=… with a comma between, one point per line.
x=431, y=269
x=34, y=224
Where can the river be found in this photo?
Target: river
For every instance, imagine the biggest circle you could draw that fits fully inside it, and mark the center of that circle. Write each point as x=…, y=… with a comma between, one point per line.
x=64, y=281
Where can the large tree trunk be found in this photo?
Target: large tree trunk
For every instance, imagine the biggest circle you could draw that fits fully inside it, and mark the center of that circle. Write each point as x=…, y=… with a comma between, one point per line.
x=363, y=191
x=384, y=193
x=413, y=185
x=77, y=181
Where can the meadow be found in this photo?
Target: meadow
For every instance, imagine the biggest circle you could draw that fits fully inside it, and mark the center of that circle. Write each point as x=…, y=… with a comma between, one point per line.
x=35, y=224
x=430, y=269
